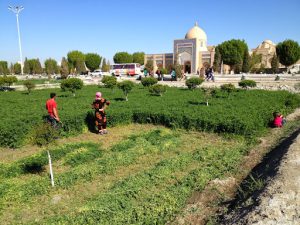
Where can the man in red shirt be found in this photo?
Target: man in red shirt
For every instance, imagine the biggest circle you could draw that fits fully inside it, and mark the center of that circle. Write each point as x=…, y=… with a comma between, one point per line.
x=51, y=106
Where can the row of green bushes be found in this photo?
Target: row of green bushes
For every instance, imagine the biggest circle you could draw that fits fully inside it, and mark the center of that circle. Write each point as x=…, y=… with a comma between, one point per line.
x=241, y=112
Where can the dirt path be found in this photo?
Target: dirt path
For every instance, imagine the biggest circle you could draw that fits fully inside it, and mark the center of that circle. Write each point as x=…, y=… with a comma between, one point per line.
x=235, y=197
x=280, y=201
x=275, y=198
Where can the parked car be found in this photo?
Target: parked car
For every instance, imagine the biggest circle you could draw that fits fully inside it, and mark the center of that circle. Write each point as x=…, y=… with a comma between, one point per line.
x=7, y=89
x=96, y=73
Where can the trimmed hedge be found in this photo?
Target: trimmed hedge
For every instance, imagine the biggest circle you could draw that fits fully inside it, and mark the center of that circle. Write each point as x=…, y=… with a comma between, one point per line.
x=245, y=112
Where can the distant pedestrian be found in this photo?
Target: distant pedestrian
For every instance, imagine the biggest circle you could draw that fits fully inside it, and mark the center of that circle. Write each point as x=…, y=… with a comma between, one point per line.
x=173, y=75
x=99, y=105
x=145, y=72
x=159, y=74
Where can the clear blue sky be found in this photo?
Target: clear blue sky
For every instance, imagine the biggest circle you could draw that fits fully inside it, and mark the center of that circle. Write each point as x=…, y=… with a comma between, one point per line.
x=52, y=28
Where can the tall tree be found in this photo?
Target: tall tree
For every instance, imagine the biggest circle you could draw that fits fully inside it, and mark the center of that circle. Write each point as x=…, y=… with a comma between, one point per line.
x=123, y=57
x=17, y=68
x=64, y=68
x=246, y=62
x=50, y=66
x=11, y=69
x=138, y=57
x=26, y=68
x=92, y=61
x=80, y=67
x=4, y=68
x=288, y=52
x=255, y=61
x=217, y=60
x=105, y=66
x=232, y=52
x=73, y=57
x=36, y=66
x=275, y=64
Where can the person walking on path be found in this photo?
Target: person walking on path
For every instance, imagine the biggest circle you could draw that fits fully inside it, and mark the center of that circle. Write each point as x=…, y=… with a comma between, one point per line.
x=51, y=107
x=99, y=105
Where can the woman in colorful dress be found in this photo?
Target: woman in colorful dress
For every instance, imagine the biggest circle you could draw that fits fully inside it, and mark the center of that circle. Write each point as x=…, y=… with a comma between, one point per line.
x=99, y=105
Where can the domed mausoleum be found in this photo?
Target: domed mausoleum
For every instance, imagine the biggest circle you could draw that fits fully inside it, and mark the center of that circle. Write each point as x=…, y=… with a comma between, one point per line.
x=191, y=52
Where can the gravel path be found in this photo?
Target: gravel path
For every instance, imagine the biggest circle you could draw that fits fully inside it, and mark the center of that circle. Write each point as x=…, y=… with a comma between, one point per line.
x=279, y=202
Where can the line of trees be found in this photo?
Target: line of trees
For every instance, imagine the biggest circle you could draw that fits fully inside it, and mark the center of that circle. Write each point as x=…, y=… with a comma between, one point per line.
x=235, y=53
x=76, y=62
x=125, y=57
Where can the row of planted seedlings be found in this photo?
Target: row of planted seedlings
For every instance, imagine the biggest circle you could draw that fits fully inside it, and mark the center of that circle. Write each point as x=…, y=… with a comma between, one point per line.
x=86, y=161
x=156, y=195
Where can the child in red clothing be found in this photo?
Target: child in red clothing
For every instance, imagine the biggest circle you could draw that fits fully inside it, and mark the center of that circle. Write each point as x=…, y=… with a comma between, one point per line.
x=278, y=120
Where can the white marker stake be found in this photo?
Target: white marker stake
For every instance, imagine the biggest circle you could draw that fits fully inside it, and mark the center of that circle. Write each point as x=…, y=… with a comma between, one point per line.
x=51, y=172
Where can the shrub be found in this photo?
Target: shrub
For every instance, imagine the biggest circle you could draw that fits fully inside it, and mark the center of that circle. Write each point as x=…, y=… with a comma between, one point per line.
x=44, y=134
x=29, y=85
x=109, y=81
x=193, y=82
x=247, y=83
x=148, y=81
x=292, y=101
x=71, y=85
x=126, y=86
x=228, y=88
x=9, y=80
x=164, y=71
x=157, y=89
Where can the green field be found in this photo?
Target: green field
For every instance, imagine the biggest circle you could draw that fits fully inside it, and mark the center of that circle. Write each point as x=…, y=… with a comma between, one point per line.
x=143, y=178
x=242, y=112
x=159, y=151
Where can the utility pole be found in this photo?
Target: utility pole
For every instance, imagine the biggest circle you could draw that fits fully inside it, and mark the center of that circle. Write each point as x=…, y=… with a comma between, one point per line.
x=17, y=10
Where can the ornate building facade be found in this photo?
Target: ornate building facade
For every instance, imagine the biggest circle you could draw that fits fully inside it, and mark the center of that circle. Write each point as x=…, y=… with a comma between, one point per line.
x=192, y=53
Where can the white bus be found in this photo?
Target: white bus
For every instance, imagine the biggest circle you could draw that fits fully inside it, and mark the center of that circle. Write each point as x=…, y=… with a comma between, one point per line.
x=125, y=69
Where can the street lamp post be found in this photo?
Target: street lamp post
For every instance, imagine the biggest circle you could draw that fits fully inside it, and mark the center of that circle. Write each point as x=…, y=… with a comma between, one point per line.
x=17, y=10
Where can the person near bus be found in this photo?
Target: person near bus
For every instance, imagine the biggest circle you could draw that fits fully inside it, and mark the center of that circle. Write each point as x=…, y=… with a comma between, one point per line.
x=173, y=75
x=145, y=72
x=99, y=105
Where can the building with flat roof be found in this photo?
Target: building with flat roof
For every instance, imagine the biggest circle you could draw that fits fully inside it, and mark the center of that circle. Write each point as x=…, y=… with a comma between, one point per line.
x=192, y=53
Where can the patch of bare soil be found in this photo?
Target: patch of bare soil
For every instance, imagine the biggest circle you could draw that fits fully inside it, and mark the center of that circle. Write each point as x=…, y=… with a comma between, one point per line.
x=258, y=168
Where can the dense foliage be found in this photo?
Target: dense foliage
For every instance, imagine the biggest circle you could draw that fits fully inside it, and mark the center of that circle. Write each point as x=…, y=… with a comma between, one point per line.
x=193, y=82
x=288, y=52
x=123, y=57
x=176, y=108
x=92, y=61
x=148, y=81
x=4, y=68
x=71, y=85
x=157, y=89
x=138, y=57
x=228, y=88
x=247, y=83
x=109, y=81
x=126, y=86
x=51, y=66
x=29, y=85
